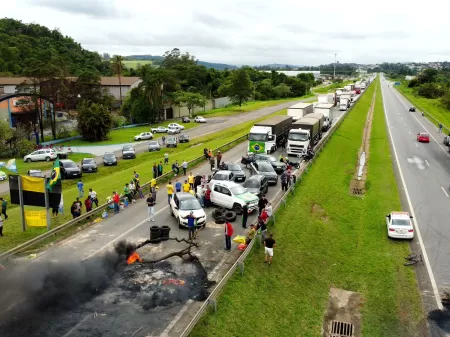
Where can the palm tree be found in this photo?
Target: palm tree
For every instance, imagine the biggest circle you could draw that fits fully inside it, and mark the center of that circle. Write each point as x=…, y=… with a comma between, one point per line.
x=117, y=68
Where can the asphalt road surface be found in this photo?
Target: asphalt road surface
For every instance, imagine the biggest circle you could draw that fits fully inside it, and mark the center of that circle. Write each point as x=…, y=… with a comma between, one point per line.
x=214, y=124
x=117, y=312
x=425, y=168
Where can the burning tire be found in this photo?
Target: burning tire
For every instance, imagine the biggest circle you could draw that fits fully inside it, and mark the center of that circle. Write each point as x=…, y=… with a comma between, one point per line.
x=230, y=216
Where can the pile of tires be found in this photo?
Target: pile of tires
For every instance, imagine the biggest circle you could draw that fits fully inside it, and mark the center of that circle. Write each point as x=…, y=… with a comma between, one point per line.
x=222, y=215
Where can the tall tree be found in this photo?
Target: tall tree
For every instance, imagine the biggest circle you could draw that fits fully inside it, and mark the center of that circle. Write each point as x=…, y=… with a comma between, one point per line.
x=117, y=68
x=94, y=121
x=191, y=99
x=240, y=87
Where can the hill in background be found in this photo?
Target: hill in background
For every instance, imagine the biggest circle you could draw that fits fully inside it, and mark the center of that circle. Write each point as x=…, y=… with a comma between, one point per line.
x=156, y=59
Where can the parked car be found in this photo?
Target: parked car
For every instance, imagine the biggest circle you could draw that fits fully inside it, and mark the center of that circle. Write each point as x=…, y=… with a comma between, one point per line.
x=176, y=125
x=159, y=129
x=447, y=140
x=423, y=137
x=41, y=155
x=173, y=130
x=144, y=136
x=109, y=159
x=412, y=109
x=199, y=119
x=185, y=119
x=3, y=176
x=182, y=204
x=238, y=173
x=154, y=146
x=69, y=169
x=35, y=173
x=233, y=196
x=267, y=170
x=88, y=165
x=128, y=152
x=171, y=141
x=183, y=138
x=257, y=184
x=399, y=225
x=222, y=175
x=278, y=166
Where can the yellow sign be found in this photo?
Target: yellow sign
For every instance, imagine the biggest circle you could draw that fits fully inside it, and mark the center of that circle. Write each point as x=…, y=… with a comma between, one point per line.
x=36, y=218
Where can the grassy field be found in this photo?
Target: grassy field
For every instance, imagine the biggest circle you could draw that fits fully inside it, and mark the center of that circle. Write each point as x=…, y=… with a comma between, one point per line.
x=134, y=63
x=432, y=107
x=250, y=106
x=109, y=179
x=331, y=87
x=328, y=238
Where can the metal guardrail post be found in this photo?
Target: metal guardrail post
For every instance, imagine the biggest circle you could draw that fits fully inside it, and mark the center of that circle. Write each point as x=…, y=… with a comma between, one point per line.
x=213, y=303
x=241, y=267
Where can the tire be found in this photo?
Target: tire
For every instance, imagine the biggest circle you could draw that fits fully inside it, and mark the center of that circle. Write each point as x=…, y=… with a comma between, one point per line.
x=28, y=160
x=230, y=216
x=217, y=213
x=47, y=158
x=237, y=209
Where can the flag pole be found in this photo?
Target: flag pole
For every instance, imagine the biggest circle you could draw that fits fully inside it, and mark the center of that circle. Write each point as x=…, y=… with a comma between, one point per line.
x=22, y=207
x=47, y=204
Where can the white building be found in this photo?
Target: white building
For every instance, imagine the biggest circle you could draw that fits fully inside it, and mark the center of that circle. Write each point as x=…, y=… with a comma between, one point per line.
x=293, y=73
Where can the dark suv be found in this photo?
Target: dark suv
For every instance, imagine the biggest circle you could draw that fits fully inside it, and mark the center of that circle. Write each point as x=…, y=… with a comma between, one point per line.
x=264, y=168
x=257, y=184
x=69, y=169
x=88, y=165
x=278, y=166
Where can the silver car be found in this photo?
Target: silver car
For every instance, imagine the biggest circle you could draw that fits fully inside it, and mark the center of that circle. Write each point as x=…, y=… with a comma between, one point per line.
x=41, y=155
x=154, y=146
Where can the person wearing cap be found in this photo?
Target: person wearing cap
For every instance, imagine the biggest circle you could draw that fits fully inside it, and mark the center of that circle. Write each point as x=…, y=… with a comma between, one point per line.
x=219, y=158
x=191, y=225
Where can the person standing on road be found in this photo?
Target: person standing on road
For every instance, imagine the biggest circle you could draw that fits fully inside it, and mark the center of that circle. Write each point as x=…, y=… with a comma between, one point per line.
x=80, y=187
x=262, y=227
x=207, y=196
x=440, y=127
x=169, y=187
x=184, y=166
x=219, y=158
x=197, y=181
x=244, y=216
x=186, y=186
x=4, y=206
x=166, y=158
x=191, y=225
x=211, y=162
x=262, y=203
x=155, y=171
x=88, y=204
x=284, y=181
x=151, y=207
x=191, y=180
x=178, y=186
x=163, y=138
x=201, y=195
x=269, y=245
x=160, y=169
x=116, y=200
x=228, y=233
x=93, y=196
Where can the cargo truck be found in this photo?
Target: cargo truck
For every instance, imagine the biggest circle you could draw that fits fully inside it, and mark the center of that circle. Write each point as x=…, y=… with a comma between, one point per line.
x=348, y=97
x=321, y=118
x=326, y=99
x=363, y=85
x=326, y=110
x=267, y=135
x=343, y=104
x=358, y=88
x=304, y=133
x=299, y=110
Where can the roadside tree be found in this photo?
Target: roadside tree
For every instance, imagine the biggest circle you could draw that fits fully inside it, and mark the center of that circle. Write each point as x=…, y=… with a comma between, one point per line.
x=94, y=121
x=191, y=100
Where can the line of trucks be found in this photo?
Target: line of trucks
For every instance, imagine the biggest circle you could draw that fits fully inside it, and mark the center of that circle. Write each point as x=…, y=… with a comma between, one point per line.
x=304, y=124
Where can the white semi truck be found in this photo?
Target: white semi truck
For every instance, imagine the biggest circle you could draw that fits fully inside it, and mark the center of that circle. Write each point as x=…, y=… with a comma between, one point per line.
x=326, y=99
x=326, y=110
x=267, y=135
x=299, y=110
x=343, y=104
x=304, y=133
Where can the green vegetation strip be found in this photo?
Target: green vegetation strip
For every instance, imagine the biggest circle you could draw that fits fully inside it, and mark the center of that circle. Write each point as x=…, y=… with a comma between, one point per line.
x=328, y=238
x=331, y=87
x=109, y=179
x=433, y=108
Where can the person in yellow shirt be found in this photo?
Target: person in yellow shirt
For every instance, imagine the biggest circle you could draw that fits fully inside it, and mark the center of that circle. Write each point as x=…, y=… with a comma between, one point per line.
x=153, y=183
x=186, y=186
x=191, y=180
x=169, y=191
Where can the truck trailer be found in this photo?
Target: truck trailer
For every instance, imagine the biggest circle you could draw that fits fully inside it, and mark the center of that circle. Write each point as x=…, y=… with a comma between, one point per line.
x=326, y=99
x=321, y=118
x=299, y=110
x=343, y=104
x=305, y=133
x=326, y=110
x=267, y=135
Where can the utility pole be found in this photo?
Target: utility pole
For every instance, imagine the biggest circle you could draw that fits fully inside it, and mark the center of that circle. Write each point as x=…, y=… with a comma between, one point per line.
x=334, y=71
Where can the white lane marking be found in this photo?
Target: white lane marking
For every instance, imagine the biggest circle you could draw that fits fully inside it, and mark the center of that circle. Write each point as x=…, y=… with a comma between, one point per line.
x=165, y=333
x=417, y=145
x=426, y=161
x=414, y=219
x=409, y=132
x=438, y=143
x=445, y=192
x=76, y=326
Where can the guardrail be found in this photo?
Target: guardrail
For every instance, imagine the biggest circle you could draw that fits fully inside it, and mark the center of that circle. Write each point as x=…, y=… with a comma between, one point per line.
x=211, y=300
x=101, y=208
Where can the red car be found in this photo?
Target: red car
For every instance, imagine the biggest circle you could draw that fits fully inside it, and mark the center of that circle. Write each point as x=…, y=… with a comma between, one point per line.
x=423, y=137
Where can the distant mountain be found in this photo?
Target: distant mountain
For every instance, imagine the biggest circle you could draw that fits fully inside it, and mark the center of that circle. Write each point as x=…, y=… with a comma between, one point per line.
x=279, y=65
x=218, y=66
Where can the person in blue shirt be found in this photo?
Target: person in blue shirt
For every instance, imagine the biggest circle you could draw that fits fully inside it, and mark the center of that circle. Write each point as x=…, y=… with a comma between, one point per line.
x=80, y=186
x=178, y=187
x=191, y=225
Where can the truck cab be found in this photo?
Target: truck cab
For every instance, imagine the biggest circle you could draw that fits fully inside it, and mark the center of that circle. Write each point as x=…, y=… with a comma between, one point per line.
x=261, y=140
x=305, y=133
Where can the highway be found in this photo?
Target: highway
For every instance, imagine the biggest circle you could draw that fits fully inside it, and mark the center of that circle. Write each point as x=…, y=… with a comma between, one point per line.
x=425, y=171
x=103, y=315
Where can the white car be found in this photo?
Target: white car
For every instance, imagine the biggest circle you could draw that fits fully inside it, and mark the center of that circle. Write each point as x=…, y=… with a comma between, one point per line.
x=222, y=175
x=144, y=136
x=199, y=119
x=3, y=176
x=41, y=155
x=176, y=125
x=159, y=129
x=173, y=130
x=182, y=204
x=233, y=196
x=399, y=225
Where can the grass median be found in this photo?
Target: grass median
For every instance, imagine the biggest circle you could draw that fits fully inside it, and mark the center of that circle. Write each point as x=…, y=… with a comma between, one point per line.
x=328, y=238
x=331, y=87
x=109, y=179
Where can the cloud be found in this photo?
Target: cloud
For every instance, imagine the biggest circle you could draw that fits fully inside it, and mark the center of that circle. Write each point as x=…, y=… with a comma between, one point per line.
x=367, y=36
x=296, y=29
x=93, y=8
x=214, y=22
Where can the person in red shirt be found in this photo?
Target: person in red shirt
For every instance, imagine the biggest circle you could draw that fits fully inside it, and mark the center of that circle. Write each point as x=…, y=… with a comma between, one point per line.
x=88, y=204
x=116, y=200
x=228, y=233
x=207, y=196
x=264, y=216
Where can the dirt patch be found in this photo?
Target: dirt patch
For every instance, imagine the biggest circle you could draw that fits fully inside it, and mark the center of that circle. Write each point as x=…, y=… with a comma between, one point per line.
x=358, y=183
x=344, y=310
x=318, y=211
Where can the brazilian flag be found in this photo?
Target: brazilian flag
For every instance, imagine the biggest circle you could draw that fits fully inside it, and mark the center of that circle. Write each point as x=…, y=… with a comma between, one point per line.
x=257, y=147
x=55, y=176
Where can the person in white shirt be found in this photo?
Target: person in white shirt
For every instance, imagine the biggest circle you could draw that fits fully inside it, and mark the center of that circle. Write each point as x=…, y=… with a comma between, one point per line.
x=201, y=194
x=132, y=187
x=93, y=196
x=269, y=209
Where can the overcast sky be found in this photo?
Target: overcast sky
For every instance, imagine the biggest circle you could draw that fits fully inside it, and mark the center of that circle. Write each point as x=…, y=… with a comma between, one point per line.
x=250, y=31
